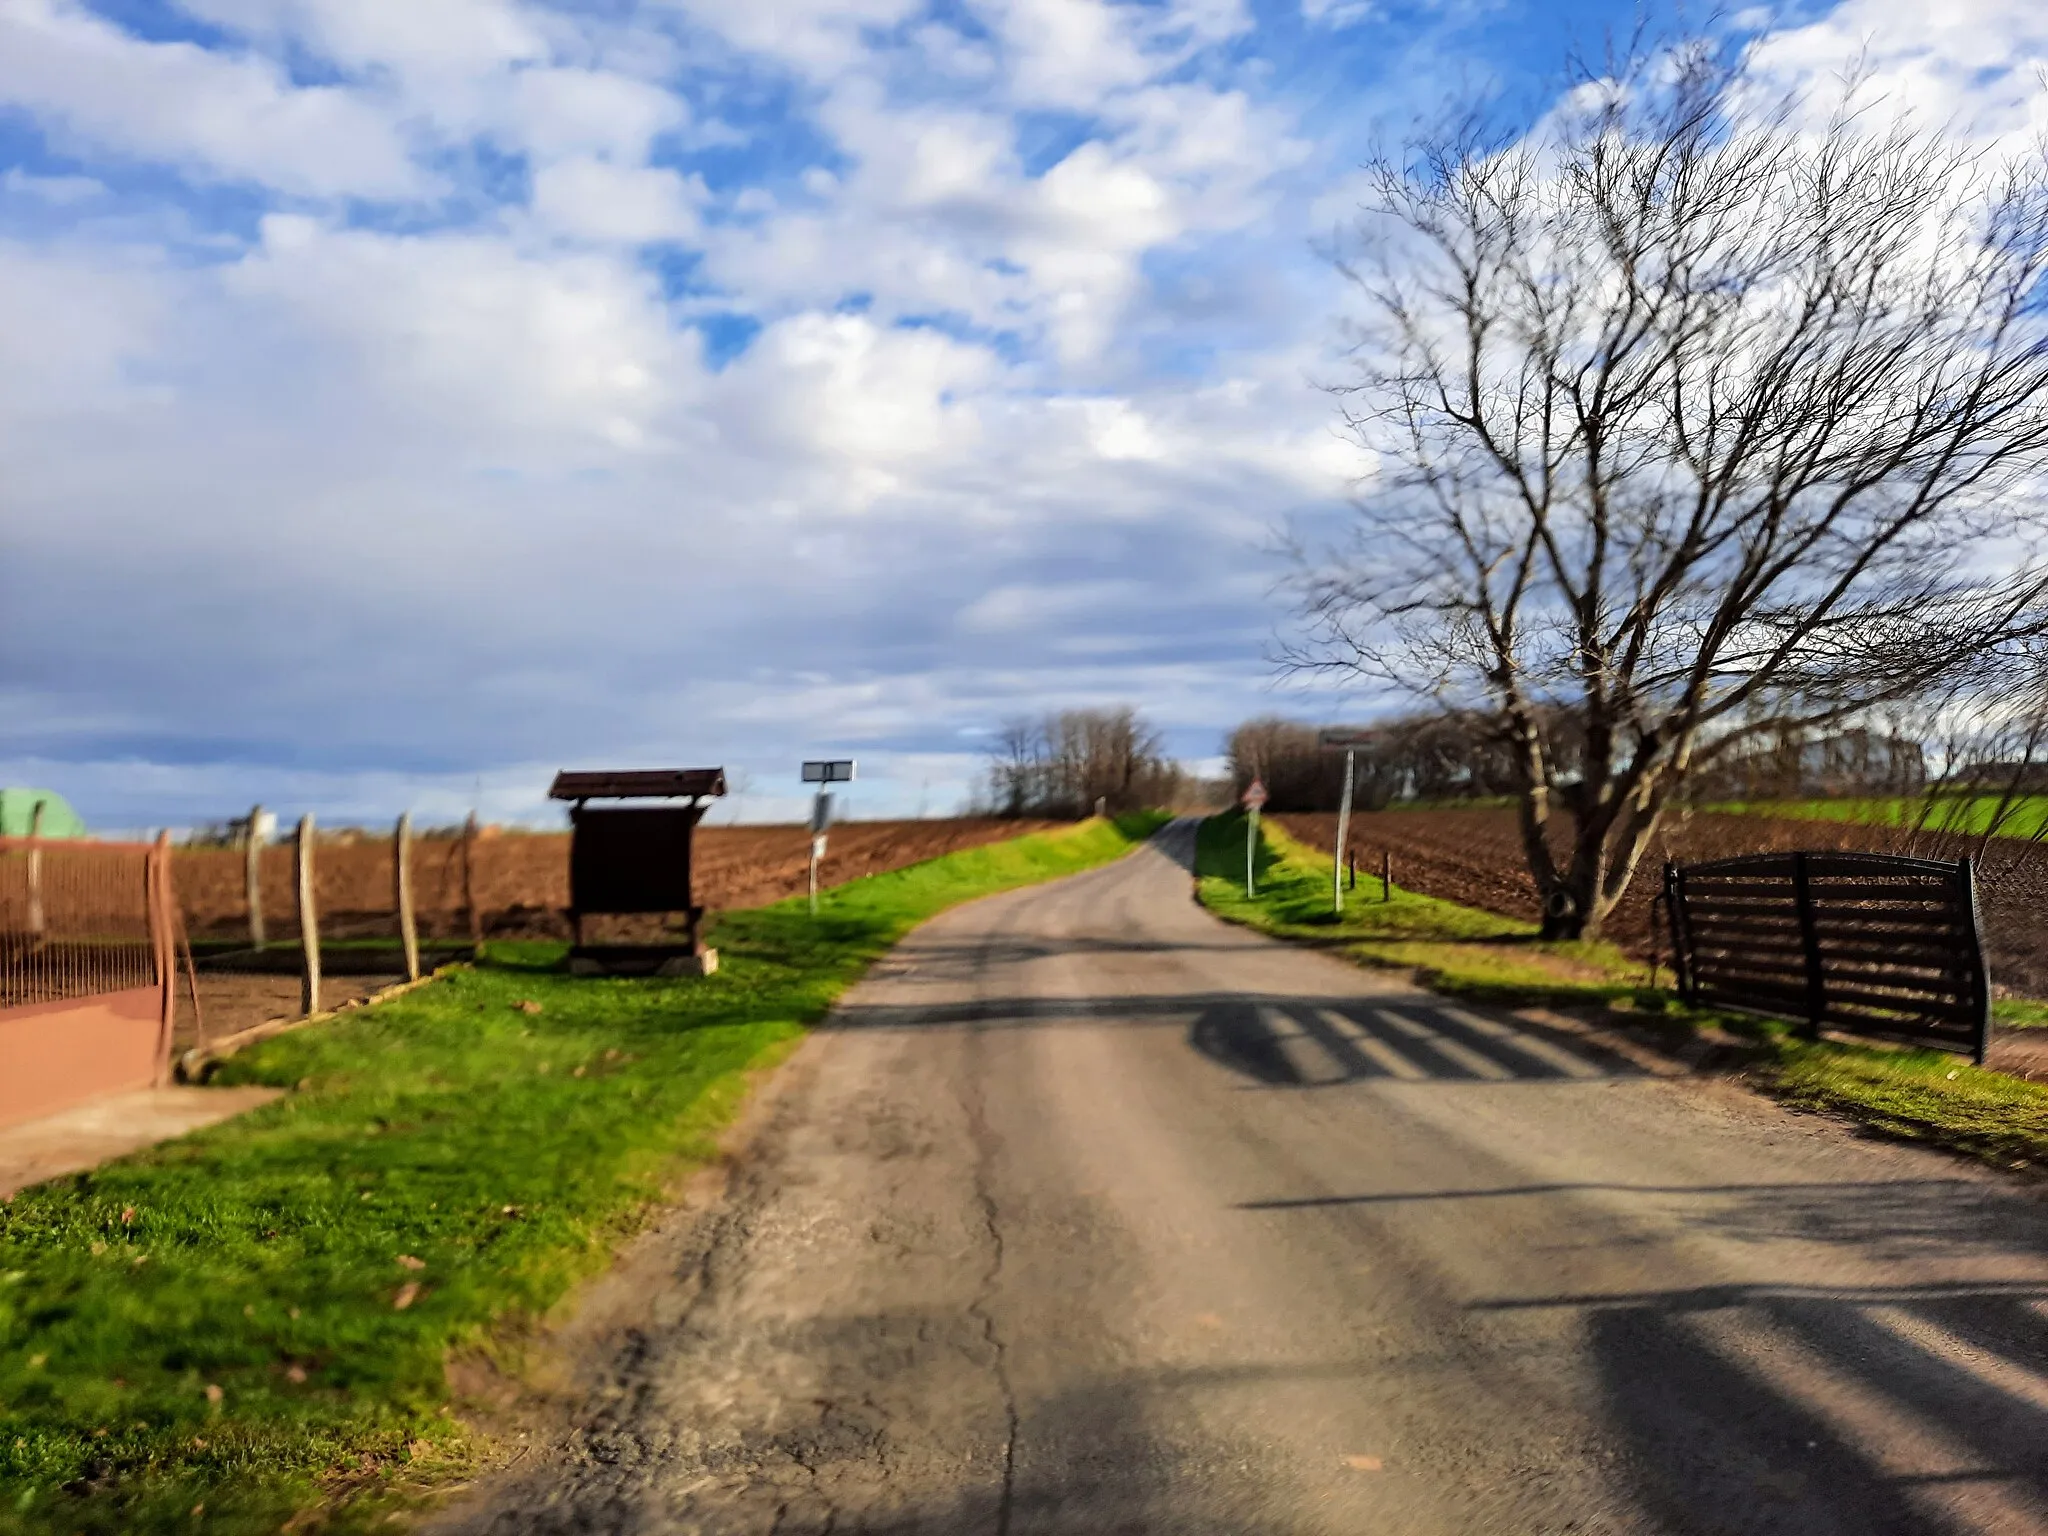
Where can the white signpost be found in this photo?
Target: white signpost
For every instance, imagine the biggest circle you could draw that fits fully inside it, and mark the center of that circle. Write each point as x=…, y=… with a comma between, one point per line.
x=1254, y=796
x=821, y=772
x=1348, y=742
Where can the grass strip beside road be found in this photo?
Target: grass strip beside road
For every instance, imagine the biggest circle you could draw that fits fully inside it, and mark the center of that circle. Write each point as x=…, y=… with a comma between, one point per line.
x=251, y=1323
x=1920, y=1095
x=1456, y=949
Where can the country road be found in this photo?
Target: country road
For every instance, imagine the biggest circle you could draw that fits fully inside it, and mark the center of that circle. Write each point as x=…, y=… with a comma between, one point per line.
x=1091, y=1214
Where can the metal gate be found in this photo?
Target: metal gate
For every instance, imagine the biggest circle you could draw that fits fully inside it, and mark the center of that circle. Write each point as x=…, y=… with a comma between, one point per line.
x=87, y=961
x=1867, y=943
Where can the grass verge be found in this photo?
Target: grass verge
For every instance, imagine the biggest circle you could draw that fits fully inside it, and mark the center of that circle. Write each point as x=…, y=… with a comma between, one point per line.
x=1921, y=1095
x=250, y=1326
x=1455, y=949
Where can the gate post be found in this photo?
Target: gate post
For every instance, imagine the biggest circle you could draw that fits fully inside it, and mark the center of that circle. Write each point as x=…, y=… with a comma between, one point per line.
x=1681, y=954
x=1980, y=971
x=1809, y=939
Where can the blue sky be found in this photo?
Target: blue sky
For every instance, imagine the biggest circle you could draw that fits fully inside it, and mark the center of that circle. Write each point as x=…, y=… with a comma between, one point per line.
x=401, y=401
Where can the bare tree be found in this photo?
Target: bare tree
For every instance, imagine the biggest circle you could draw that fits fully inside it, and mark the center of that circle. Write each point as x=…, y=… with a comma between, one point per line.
x=1696, y=417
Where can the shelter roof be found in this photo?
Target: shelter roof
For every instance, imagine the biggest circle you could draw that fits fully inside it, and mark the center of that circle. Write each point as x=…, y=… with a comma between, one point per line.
x=639, y=784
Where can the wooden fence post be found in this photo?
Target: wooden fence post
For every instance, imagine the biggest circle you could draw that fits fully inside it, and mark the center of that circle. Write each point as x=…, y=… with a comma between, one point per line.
x=252, y=876
x=309, y=923
x=476, y=918
x=401, y=876
x=1386, y=874
x=35, y=870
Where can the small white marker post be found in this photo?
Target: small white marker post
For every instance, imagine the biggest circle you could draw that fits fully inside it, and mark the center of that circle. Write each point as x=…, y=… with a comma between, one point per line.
x=1347, y=742
x=1254, y=797
x=822, y=772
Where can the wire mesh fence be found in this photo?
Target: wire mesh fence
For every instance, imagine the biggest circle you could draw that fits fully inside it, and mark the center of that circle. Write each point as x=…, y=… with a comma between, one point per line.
x=74, y=920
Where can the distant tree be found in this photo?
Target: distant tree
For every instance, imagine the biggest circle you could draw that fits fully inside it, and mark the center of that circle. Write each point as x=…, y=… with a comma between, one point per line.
x=1066, y=762
x=1698, y=417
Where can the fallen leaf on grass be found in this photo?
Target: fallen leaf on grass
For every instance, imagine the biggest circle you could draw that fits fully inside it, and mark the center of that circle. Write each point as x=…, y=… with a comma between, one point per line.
x=528, y=1006
x=213, y=1392
x=1364, y=1463
x=409, y=1262
x=295, y=1373
x=407, y=1293
x=128, y=1216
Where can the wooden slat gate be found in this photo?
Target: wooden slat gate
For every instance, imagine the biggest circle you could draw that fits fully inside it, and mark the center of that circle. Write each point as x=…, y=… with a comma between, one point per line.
x=1862, y=942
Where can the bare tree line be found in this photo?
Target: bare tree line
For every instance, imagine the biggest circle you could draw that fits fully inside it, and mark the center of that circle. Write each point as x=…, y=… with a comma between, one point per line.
x=1067, y=762
x=1703, y=420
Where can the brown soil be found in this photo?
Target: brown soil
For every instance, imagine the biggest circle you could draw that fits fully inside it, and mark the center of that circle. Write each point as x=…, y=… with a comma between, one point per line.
x=231, y=1002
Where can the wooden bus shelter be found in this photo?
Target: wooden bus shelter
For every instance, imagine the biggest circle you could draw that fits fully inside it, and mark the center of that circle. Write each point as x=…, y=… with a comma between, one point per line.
x=635, y=860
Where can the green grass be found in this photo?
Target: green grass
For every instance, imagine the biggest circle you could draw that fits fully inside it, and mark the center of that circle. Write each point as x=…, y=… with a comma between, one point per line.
x=1921, y=1095
x=217, y=1322
x=1966, y=814
x=2020, y=1013
x=1456, y=949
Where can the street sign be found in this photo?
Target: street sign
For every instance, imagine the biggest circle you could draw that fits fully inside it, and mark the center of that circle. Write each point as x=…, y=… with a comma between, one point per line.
x=1344, y=738
x=1254, y=795
x=831, y=770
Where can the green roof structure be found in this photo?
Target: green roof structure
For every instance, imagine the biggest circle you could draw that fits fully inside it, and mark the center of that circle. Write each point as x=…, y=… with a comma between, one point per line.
x=18, y=814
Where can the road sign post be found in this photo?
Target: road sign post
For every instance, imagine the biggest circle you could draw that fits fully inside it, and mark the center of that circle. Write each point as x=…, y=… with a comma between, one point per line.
x=1347, y=742
x=1254, y=797
x=822, y=772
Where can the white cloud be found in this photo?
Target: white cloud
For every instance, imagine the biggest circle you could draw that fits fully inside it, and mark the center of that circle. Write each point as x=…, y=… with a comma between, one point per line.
x=1975, y=65
x=443, y=39
x=817, y=37
x=220, y=116
x=586, y=111
x=588, y=199
x=495, y=355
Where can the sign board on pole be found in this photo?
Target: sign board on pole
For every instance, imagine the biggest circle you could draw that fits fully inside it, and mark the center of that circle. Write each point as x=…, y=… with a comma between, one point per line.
x=1344, y=738
x=1253, y=797
x=835, y=770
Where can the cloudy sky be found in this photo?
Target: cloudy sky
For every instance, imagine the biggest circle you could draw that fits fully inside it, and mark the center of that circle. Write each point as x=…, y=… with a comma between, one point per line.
x=400, y=399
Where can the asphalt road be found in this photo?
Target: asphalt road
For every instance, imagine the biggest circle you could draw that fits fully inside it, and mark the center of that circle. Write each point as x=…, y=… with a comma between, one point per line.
x=1095, y=1215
